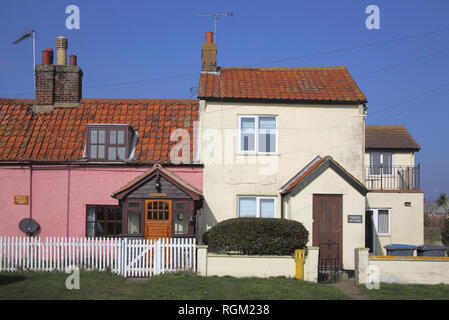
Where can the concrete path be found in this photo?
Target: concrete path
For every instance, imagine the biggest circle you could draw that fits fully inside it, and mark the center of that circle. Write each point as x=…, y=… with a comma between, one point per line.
x=347, y=286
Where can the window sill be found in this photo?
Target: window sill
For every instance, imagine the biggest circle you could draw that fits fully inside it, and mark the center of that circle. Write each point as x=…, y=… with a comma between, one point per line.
x=274, y=154
x=384, y=235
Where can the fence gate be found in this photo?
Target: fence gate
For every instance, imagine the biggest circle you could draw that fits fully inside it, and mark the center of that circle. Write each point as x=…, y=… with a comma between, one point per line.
x=329, y=262
x=145, y=258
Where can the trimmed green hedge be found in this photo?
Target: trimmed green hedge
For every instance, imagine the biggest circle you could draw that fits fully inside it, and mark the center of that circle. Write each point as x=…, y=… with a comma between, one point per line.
x=257, y=236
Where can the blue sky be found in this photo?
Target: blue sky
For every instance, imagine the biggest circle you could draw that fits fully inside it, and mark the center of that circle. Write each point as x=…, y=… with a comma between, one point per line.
x=151, y=49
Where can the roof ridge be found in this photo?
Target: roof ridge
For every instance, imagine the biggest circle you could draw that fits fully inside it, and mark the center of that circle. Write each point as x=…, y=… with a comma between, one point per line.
x=129, y=100
x=288, y=68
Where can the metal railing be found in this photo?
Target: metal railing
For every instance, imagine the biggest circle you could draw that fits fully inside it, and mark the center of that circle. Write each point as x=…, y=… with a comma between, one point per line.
x=385, y=177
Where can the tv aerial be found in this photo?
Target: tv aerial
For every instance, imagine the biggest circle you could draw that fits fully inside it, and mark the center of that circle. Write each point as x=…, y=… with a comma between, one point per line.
x=30, y=34
x=216, y=16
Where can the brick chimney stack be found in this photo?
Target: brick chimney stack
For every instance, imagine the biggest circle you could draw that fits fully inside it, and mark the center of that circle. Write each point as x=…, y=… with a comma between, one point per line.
x=60, y=85
x=209, y=54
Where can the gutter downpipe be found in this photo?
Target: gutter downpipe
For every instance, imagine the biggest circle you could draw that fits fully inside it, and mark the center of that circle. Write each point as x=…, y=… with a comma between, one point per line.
x=68, y=201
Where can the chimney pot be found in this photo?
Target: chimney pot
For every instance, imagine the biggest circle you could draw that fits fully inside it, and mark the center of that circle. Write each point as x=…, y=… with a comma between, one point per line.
x=209, y=37
x=61, y=46
x=73, y=60
x=50, y=50
x=46, y=57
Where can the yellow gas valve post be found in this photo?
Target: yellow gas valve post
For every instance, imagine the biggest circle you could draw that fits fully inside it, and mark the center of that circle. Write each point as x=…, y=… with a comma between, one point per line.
x=300, y=256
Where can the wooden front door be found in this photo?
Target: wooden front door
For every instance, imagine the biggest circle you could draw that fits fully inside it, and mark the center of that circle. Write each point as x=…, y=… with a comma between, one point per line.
x=158, y=219
x=328, y=225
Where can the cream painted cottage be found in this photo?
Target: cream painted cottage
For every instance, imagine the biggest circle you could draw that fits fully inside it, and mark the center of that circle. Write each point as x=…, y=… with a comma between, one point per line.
x=292, y=143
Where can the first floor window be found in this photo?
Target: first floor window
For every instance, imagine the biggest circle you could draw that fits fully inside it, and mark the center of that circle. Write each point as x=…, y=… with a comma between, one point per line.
x=108, y=142
x=104, y=221
x=381, y=163
x=261, y=207
x=257, y=134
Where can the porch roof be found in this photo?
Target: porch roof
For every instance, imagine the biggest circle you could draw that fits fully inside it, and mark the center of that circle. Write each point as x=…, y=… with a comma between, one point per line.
x=157, y=168
x=315, y=168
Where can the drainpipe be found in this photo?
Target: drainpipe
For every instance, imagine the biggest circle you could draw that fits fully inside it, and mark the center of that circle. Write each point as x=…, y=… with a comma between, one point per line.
x=68, y=200
x=31, y=192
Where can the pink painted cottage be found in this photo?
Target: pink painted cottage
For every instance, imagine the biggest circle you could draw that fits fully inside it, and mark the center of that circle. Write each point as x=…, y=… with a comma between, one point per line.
x=96, y=167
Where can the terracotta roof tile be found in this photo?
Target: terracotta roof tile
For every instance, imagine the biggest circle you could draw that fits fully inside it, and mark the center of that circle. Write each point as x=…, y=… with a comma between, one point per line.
x=324, y=84
x=389, y=137
x=60, y=134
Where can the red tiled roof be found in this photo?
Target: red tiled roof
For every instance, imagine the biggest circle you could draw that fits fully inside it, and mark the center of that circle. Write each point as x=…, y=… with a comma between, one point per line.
x=322, y=84
x=60, y=134
x=389, y=137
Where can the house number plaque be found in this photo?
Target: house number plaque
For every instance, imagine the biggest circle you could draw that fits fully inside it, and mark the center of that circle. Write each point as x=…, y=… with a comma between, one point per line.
x=354, y=218
x=21, y=199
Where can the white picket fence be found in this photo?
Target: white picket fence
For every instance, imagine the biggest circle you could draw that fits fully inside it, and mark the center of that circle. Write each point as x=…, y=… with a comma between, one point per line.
x=127, y=257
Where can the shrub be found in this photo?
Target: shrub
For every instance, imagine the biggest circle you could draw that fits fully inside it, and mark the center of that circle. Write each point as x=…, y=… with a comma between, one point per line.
x=257, y=236
x=445, y=233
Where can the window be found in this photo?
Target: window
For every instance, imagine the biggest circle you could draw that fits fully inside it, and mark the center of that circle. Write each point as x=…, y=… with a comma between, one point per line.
x=134, y=217
x=104, y=221
x=181, y=217
x=381, y=163
x=261, y=207
x=257, y=134
x=108, y=142
x=381, y=220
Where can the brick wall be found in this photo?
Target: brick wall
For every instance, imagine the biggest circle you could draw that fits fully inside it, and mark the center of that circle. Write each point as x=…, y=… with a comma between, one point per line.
x=58, y=84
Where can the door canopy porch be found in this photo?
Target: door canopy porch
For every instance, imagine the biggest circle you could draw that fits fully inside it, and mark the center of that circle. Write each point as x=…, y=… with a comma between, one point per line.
x=314, y=169
x=159, y=204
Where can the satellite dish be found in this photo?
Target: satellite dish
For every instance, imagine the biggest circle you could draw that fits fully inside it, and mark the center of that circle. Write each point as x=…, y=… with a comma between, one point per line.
x=28, y=226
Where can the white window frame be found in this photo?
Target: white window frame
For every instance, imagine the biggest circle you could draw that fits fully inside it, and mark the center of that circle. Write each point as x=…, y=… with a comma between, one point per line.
x=258, y=198
x=376, y=220
x=381, y=162
x=256, y=135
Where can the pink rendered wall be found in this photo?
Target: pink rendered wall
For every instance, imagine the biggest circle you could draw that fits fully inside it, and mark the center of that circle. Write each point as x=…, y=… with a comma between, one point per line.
x=92, y=186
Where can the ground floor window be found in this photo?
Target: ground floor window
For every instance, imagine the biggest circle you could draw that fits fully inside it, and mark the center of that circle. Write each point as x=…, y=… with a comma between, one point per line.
x=103, y=221
x=377, y=223
x=261, y=207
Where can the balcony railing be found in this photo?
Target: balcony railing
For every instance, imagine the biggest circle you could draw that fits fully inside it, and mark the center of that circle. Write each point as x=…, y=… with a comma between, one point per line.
x=386, y=177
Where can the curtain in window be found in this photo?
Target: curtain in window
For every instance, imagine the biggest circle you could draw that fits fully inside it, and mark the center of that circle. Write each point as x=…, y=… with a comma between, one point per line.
x=267, y=208
x=374, y=162
x=387, y=162
x=247, y=207
x=382, y=224
x=133, y=222
x=248, y=128
x=267, y=134
x=90, y=221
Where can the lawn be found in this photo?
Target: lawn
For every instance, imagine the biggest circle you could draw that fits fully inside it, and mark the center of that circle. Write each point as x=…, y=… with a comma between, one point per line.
x=103, y=285
x=408, y=292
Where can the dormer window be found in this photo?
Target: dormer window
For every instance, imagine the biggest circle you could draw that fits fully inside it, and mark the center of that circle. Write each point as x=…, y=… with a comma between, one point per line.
x=109, y=142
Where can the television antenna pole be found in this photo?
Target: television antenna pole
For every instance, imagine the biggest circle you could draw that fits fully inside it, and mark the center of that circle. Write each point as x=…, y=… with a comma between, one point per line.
x=216, y=16
x=32, y=34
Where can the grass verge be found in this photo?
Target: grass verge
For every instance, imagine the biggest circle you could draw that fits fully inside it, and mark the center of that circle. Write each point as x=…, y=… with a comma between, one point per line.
x=103, y=285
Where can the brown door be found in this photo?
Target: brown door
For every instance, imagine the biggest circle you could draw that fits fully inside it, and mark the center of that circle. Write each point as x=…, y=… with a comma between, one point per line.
x=328, y=225
x=157, y=219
